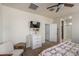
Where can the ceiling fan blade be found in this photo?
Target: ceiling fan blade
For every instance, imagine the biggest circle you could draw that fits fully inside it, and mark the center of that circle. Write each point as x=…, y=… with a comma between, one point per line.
x=52, y=6
x=51, y=9
x=57, y=9
x=68, y=5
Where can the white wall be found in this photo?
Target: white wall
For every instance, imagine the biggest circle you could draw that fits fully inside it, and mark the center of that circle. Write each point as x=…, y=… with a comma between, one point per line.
x=0, y=23
x=16, y=24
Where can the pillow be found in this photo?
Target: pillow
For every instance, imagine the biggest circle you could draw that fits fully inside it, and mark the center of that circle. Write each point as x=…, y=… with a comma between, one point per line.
x=6, y=48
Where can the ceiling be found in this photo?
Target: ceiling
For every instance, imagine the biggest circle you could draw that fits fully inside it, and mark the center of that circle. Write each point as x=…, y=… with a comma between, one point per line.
x=42, y=9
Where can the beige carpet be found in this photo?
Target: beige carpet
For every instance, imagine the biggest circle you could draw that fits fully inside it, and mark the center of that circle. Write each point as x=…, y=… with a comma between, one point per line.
x=35, y=52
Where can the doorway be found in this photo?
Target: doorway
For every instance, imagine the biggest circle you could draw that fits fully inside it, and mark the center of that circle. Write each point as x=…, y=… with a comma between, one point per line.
x=66, y=30
x=47, y=32
x=51, y=32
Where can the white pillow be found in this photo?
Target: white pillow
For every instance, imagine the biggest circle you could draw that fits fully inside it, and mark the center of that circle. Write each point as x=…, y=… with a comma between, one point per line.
x=6, y=48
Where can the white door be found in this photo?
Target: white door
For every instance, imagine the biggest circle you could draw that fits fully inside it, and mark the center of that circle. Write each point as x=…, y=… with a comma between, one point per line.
x=53, y=32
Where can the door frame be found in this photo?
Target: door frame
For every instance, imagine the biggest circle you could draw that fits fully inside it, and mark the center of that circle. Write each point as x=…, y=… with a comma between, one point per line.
x=61, y=30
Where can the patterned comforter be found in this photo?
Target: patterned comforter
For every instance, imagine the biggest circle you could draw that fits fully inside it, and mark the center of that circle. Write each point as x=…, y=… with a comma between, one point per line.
x=62, y=49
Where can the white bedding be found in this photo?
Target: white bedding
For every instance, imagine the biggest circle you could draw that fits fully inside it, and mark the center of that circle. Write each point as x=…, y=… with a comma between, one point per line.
x=62, y=49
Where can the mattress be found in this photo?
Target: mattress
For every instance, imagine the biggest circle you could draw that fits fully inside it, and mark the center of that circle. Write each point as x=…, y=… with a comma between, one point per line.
x=62, y=49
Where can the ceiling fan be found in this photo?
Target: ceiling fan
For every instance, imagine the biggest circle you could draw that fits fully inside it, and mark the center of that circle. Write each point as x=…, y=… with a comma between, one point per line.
x=59, y=5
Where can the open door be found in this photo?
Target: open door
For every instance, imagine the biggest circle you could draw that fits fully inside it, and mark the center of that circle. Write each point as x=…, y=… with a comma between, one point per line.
x=62, y=30
x=66, y=30
x=51, y=32
x=47, y=32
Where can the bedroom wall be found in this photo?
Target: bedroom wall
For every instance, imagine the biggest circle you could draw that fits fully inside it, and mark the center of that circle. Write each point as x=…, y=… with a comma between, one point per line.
x=16, y=24
x=0, y=24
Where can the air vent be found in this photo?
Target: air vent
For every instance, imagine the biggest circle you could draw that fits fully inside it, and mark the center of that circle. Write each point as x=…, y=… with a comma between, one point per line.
x=33, y=6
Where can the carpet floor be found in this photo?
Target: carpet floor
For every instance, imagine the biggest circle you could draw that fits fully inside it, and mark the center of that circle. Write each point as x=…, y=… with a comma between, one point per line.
x=34, y=52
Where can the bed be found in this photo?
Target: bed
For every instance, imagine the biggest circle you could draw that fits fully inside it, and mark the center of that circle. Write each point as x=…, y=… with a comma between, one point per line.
x=62, y=49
